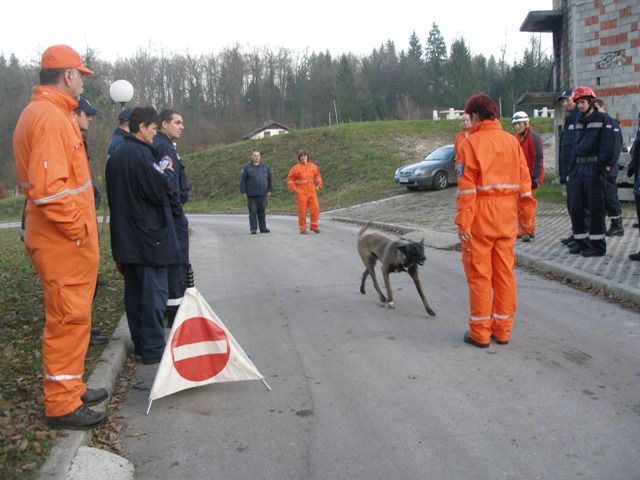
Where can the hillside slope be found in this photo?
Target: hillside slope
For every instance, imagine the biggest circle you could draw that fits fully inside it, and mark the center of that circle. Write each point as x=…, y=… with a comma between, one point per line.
x=357, y=162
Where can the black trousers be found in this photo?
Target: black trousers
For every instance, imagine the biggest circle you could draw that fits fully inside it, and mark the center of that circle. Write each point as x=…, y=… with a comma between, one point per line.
x=257, y=213
x=586, y=205
x=145, y=299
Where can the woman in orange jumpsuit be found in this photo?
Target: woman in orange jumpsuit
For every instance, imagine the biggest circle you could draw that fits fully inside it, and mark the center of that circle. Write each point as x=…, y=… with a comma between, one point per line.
x=494, y=195
x=305, y=181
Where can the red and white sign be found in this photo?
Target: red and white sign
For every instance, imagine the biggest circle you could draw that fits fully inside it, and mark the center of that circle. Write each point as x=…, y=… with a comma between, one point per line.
x=200, y=350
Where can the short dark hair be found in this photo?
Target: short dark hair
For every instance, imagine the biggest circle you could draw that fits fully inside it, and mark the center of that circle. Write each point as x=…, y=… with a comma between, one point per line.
x=482, y=105
x=167, y=114
x=51, y=76
x=304, y=152
x=143, y=116
x=599, y=103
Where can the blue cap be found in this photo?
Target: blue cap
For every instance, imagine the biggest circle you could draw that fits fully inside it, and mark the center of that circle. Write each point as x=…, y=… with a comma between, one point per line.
x=85, y=106
x=565, y=94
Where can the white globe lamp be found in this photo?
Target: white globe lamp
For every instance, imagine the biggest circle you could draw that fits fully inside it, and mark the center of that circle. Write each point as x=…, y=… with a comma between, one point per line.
x=121, y=91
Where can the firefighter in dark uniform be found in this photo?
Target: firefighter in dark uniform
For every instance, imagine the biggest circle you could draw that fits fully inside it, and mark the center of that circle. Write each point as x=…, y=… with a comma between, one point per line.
x=171, y=128
x=591, y=159
x=634, y=169
x=567, y=137
x=611, y=201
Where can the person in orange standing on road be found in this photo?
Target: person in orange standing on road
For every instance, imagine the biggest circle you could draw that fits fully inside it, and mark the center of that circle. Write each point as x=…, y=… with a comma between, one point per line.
x=465, y=125
x=494, y=194
x=61, y=233
x=305, y=181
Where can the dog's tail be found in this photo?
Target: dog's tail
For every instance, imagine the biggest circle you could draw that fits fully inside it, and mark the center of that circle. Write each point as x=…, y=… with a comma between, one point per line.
x=363, y=229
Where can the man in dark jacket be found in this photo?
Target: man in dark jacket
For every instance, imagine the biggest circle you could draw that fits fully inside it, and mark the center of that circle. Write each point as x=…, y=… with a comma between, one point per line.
x=592, y=157
x=143, y=238
x=611, y=200
x=567, y=137
x=634, y=169
x=171, y=128
x=119, y=133
x=256, y=187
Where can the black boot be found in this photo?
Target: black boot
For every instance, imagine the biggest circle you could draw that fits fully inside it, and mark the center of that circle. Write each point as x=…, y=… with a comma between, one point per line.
x=635, y=257
x=616, y=229
x=82, y=418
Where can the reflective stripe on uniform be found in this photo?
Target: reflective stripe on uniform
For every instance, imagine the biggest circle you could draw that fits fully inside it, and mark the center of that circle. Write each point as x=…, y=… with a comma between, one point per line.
x=62, y=378
x=172, y=302
x=590, y=125
x=476, y=319
x=467, y=192
x=497, y=186
x=596, y=237
x=580, y=236
x=66, y=191
x=526, y=194
x=502, y=317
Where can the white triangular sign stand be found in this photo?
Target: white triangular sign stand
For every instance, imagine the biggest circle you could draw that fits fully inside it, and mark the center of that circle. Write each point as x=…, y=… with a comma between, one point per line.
x=200, y=351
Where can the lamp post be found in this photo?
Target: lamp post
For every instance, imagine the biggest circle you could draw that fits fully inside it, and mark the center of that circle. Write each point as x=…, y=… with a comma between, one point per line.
x=121, y=91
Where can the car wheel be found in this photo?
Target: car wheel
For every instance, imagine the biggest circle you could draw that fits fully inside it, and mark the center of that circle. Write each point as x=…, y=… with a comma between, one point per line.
x=440, y=181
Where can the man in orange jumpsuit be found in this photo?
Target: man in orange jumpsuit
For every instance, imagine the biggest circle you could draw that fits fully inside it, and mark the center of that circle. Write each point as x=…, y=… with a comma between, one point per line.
x=61, y=234
x=494, y=193
x=305, y=181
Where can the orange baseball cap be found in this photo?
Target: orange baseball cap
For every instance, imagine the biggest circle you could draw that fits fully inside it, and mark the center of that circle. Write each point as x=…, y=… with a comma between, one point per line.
x=63, y=56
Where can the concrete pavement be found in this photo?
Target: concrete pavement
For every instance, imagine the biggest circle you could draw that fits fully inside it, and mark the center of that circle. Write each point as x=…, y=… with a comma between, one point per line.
x=419, y=215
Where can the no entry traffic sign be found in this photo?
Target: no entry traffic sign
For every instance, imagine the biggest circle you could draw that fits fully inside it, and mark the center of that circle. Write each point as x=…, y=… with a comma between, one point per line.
x=199, y=349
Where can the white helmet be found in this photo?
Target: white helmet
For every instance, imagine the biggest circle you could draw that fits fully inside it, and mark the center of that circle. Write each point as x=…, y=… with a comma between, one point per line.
x=520, y=117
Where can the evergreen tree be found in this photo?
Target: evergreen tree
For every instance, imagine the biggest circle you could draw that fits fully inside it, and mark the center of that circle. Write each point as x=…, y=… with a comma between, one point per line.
x=346, y=93
x=435, y=62
x=461, y=82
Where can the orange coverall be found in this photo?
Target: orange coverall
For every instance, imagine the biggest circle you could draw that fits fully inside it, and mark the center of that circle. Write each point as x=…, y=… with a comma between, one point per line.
x=459, y=140
x=494, y=194
x=61, y=237
x=304, y=180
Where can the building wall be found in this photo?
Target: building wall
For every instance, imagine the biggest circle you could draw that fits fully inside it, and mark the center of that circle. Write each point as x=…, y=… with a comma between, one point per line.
x=269, y=132
x=601, y=49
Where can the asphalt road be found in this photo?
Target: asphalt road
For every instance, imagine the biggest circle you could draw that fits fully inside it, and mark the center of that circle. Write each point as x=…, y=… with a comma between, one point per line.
x=364, y=392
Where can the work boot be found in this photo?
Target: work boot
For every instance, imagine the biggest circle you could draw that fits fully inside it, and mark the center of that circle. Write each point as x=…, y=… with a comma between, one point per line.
x=94, y=396
x=82, y=418
x=577, y=248
x=98, y=340
x=635, y=257
x=568, y=240
x=616, y=229
x=467, y=339
x=592, y=252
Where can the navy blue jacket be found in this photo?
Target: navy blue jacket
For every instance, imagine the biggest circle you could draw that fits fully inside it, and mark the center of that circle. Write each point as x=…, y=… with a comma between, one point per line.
x=142, y=230
x=567, y=138
x=617, y=139
x=594, y=138
x=255, y=180
x=116, y=139
x=634, y=163
x=166, y=148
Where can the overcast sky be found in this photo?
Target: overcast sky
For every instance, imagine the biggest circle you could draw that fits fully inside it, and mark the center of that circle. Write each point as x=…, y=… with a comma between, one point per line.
x=116, y=29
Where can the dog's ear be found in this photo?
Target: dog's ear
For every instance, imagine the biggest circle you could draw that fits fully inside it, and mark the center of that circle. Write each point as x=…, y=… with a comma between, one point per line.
x=403, y=248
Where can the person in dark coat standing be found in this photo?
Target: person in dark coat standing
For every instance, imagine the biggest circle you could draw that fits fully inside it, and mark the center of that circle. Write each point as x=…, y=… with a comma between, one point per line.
x=567, y=137
x=143, y=237
x=634, y=169
x=256, y=187
x=119, y=133
x=171, y=128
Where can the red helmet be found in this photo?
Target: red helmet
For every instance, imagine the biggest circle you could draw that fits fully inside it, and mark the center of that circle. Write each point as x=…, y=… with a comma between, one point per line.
x=580, y=92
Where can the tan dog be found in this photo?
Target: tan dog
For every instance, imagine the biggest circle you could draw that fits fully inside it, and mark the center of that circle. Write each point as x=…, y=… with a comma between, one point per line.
x=396, y=256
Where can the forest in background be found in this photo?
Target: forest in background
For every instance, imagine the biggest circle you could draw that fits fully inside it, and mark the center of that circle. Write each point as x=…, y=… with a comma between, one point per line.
x=224, y=95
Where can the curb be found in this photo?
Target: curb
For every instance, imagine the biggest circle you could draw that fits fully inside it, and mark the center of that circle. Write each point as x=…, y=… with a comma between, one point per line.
x=65, y=460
